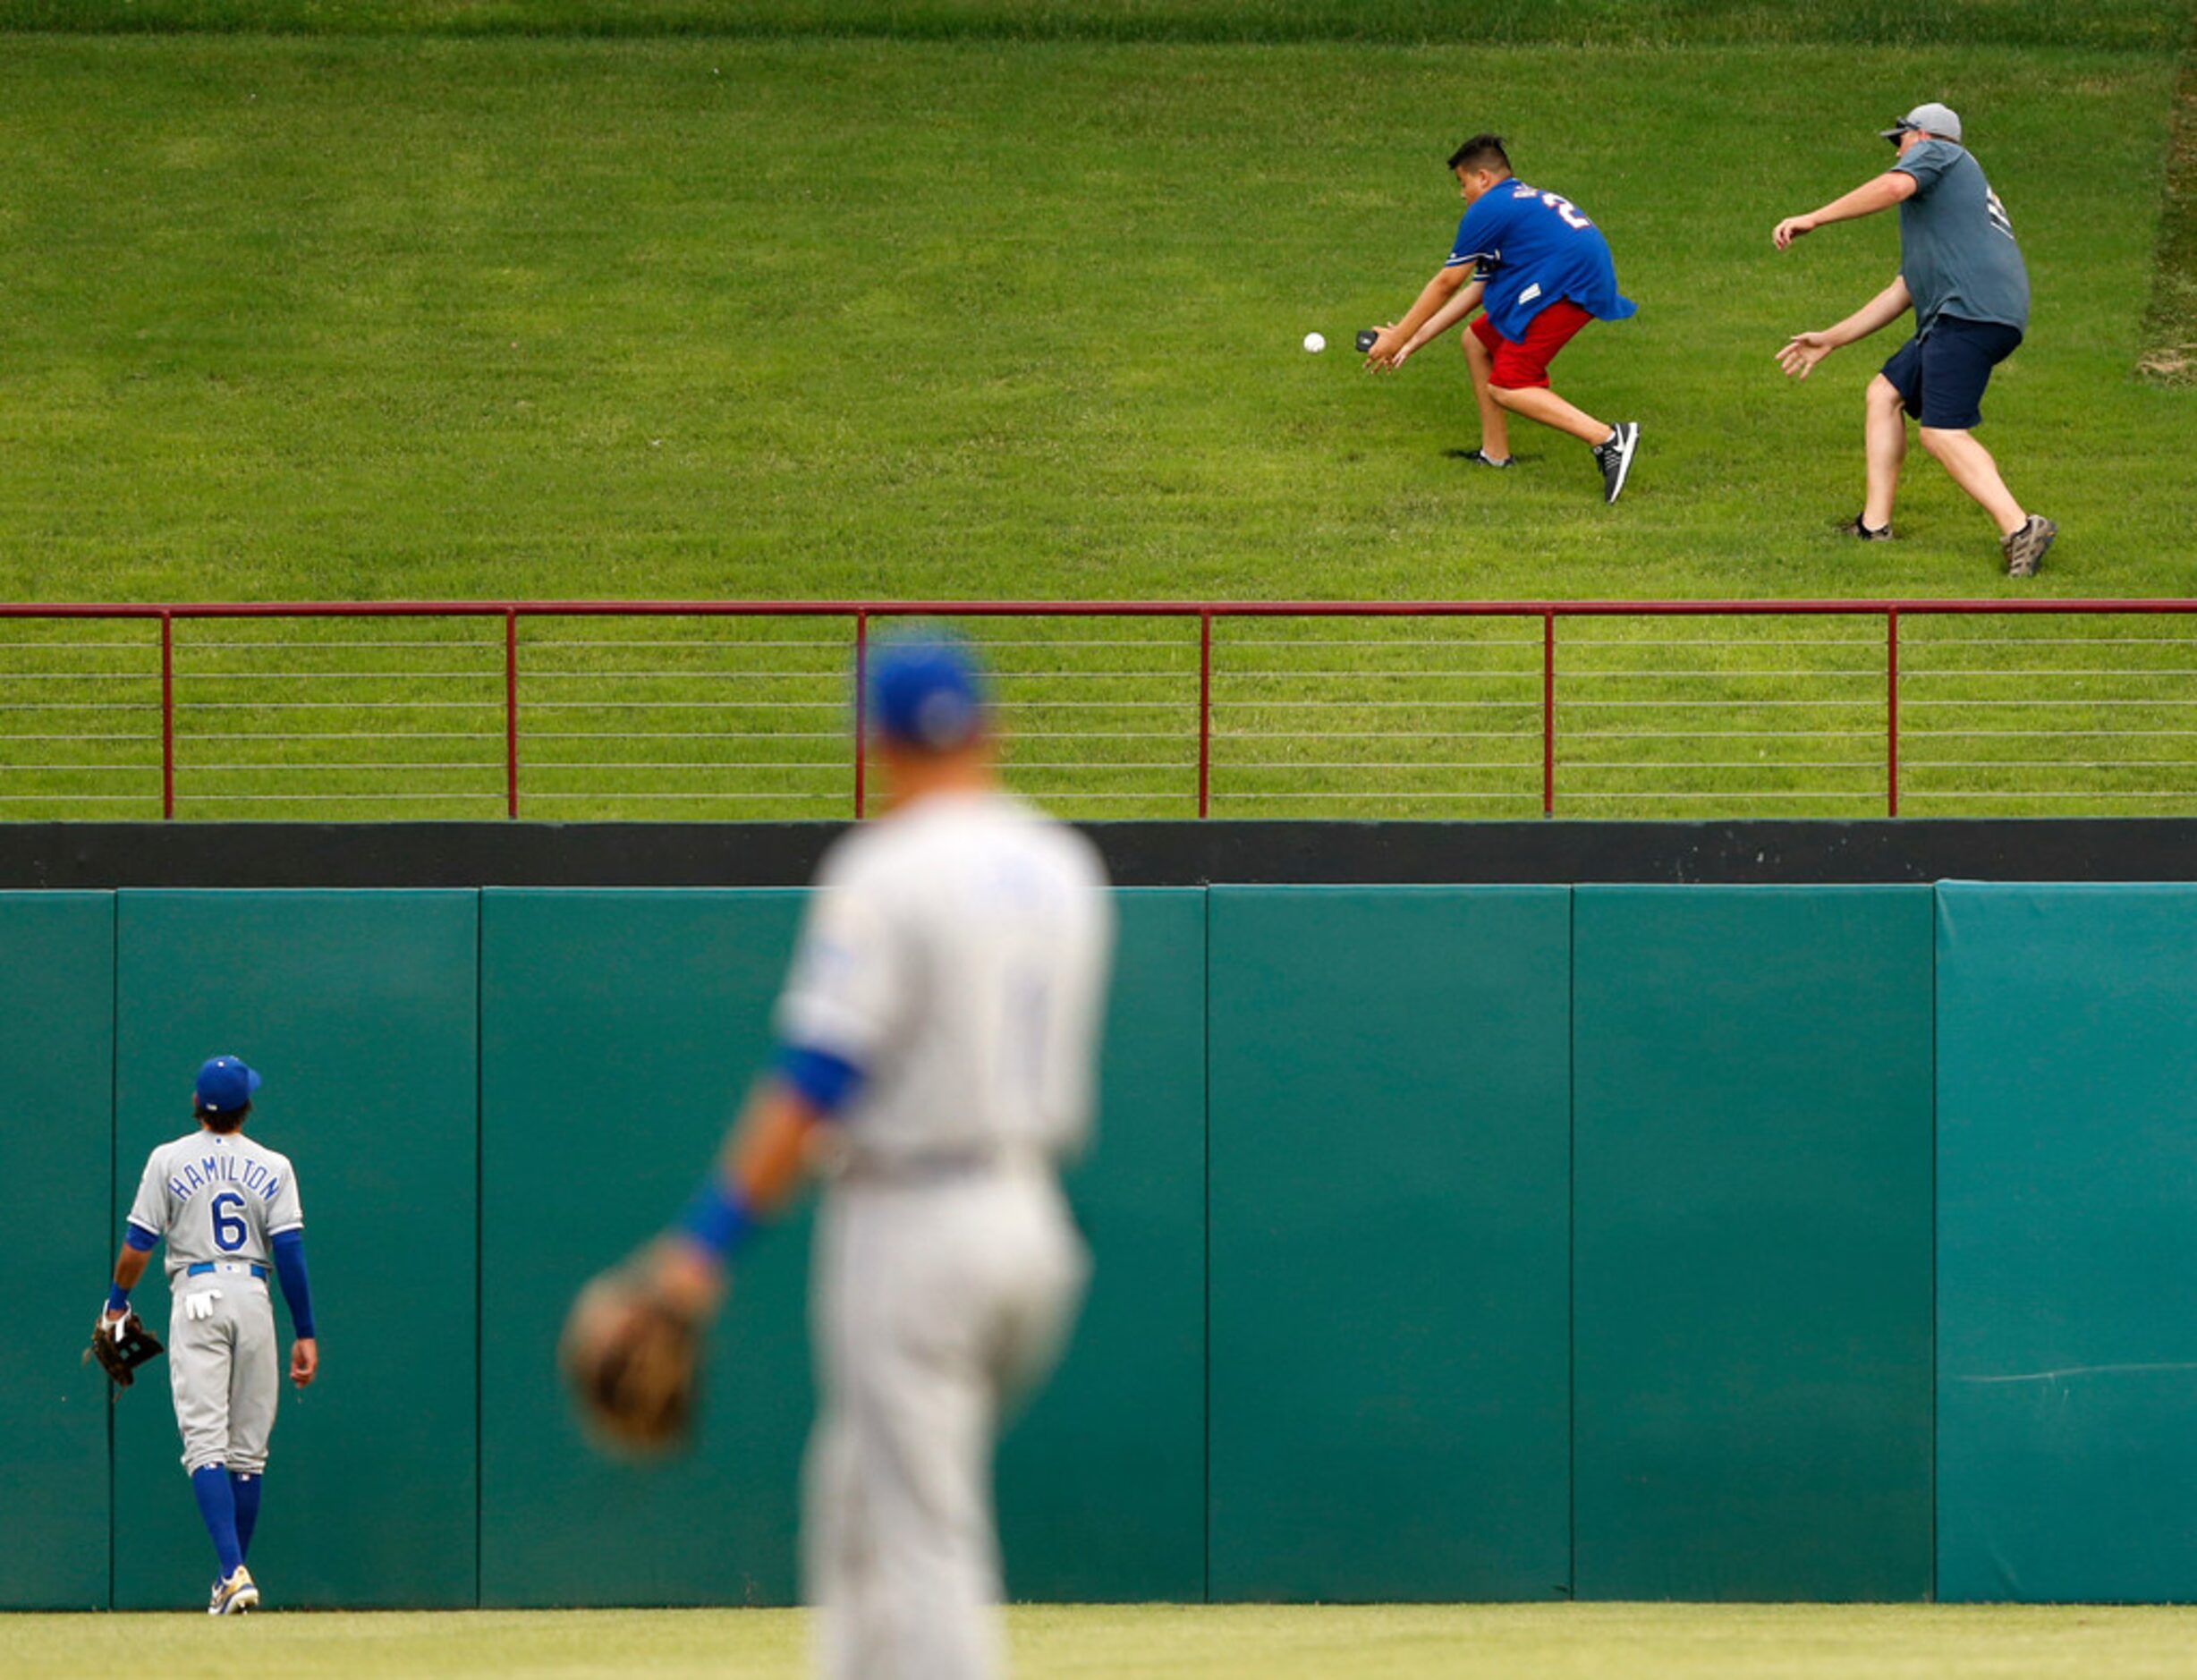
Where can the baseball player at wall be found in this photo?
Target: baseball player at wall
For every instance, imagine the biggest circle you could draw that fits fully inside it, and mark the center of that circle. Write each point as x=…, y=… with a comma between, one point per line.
x=938, y=1034
x=228, y=1209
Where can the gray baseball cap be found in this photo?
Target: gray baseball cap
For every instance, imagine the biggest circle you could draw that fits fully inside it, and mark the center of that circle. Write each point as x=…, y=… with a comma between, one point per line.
x=1933, y=118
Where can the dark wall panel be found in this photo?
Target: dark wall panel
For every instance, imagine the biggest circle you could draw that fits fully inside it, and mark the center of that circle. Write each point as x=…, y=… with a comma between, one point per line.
x=2068, y=1222
x=620, y=1031
x=358, y=1007
x=653, y=1008
x=1102, y=1485
x=57, y=1047
x=1752, y=1301
x=1389, y=1210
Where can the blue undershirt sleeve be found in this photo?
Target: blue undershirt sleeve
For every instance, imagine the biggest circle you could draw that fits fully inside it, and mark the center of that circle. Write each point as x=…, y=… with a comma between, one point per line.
x=827, y=1080
x=290, y=1268
x=139, y=1238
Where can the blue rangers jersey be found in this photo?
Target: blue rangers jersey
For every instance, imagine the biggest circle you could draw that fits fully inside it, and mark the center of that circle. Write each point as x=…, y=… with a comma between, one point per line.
x=1533, y=248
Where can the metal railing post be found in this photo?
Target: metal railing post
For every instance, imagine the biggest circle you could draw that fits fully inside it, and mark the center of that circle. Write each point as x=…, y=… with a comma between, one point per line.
x=1205, y=710
x=511, y=711
x=167, y=716
x=1549, y=713
x=861, y=707
x=1891, y=711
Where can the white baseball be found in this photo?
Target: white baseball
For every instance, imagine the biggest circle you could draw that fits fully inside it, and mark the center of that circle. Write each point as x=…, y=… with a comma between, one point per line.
x=1314, y=343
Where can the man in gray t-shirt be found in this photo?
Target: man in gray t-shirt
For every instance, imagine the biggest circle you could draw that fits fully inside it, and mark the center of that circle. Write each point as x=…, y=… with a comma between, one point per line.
x=1960, y=271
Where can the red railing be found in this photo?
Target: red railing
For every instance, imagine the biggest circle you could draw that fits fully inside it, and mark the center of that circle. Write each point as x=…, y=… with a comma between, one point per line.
x=1961, y=700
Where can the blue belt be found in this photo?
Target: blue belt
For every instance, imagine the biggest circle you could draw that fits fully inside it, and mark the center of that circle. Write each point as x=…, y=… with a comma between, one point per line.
x=205, y=1267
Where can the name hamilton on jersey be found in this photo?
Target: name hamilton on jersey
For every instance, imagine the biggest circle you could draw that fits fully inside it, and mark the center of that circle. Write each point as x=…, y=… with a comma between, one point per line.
x=224, y=1168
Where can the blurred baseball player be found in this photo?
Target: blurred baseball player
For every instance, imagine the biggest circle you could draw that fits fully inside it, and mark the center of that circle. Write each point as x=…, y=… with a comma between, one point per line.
x=228, y=1209
x=939, y=1026
x=1960, y=271
x=1543, y=271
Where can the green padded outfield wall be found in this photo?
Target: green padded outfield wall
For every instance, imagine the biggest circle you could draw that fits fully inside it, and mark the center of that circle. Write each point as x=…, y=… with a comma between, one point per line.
x=359, y=1009
x=1389, y=1136
x=1752, y=1241
x=620, y=1030
x=1102, y=1483
x=2068, y=1229
x=1503, y=1184
x=57, y=1044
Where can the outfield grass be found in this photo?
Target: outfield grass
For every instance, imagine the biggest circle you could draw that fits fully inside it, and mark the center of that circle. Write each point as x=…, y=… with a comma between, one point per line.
x=2125, y=25
x=294, y=318
x=1162, y=1641
x=373, y=318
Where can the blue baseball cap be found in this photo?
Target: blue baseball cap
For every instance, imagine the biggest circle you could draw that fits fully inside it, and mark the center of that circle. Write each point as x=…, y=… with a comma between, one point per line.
x=225, y=1085
x=926, y=692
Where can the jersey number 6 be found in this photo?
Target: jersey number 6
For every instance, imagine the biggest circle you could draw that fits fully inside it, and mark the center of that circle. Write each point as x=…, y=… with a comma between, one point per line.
x=229, y=1228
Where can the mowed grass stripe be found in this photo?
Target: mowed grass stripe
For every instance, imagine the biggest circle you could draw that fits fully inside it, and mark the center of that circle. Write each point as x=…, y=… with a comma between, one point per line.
x=2131, y=25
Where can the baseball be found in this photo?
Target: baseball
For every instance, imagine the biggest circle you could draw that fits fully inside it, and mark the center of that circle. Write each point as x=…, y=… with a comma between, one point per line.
x=1314, y=343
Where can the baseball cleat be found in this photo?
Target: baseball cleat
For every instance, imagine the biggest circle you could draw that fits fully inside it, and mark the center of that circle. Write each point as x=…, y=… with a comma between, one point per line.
x=234, y=1595
x=1481, y=458
x=2024, y=548
x=1615, y=457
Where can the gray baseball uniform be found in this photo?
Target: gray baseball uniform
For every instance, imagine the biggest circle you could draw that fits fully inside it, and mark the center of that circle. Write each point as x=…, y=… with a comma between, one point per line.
x=218, y=1199
x=956, y=954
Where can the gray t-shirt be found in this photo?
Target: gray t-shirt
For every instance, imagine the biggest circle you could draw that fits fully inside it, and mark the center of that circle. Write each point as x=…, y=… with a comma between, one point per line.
x=1957, y=248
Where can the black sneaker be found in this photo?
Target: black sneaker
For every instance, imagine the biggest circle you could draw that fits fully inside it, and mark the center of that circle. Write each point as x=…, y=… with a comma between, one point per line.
x=1481, y=458
x=2024, y=548
x=1855, y=527
x=1615, y=457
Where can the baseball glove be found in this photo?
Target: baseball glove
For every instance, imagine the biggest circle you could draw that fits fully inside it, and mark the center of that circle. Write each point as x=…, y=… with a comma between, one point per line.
x=634, y=1363
x=122, y=1346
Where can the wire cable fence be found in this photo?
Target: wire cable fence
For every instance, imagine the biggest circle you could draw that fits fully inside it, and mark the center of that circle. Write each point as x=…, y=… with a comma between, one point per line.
x=606, y=711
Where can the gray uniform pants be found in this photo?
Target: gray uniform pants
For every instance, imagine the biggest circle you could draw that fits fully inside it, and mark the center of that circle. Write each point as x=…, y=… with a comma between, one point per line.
x=223, y=1370
x=934, y=1304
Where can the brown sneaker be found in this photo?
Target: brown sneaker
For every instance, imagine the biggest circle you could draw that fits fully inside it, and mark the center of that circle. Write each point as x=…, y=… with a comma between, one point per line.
x=2024, y=548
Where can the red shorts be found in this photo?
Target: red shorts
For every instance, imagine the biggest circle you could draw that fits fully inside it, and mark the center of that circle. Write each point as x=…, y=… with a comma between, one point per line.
x=1526, y=363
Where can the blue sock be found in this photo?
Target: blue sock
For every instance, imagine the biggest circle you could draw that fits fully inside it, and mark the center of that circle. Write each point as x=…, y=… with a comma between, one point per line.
x=217, y=1507
x=245, y=1486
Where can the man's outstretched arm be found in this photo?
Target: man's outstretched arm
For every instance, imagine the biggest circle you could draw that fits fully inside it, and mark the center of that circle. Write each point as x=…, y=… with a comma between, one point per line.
x=1802, y=351
x=1888, y=189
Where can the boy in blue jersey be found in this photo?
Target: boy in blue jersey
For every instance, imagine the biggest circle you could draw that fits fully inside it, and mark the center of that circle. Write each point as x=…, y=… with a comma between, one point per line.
x=1543, y=271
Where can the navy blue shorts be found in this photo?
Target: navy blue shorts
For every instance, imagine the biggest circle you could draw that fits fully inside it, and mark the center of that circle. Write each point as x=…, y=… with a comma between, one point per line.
x=1940, y=376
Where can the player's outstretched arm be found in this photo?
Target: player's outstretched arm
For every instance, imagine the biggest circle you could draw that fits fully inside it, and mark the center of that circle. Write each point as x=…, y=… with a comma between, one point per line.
x=1880, y=193
x=1388, y=348
x=630, y=1348
x=1802, y=351
x=764, y=1162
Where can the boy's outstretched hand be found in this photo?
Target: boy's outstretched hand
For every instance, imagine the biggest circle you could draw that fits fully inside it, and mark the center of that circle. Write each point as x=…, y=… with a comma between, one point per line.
x=1387, y=351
